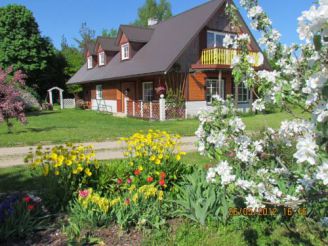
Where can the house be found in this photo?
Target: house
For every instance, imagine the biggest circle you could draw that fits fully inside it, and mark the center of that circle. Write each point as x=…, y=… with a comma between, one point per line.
x=184, y=53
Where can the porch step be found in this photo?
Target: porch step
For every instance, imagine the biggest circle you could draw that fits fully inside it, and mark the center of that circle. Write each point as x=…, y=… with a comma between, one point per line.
x=119, y=114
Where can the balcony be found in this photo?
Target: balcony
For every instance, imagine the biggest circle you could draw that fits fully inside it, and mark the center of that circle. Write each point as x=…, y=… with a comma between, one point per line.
x=223, y=58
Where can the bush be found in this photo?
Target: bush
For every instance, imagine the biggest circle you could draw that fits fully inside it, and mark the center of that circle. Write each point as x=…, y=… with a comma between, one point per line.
x=67, y=169
x=29, y=98
x=21, y=215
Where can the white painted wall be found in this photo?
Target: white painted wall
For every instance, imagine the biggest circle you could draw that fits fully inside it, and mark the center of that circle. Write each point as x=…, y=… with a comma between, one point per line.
x=111, y=105
x=193, y=107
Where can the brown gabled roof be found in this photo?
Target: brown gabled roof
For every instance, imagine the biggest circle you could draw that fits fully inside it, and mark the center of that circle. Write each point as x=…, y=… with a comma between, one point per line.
x=136, y=33
x=108, y=44
x=168, y=41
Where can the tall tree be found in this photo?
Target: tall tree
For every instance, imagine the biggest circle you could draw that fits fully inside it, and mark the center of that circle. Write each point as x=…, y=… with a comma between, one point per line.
x=151, y=9
x=87, y=35
x=73, y=57
x=112, y=33
x=21, y=44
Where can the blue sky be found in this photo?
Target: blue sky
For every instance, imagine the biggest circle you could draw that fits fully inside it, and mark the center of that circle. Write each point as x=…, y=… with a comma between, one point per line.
x=64, y=17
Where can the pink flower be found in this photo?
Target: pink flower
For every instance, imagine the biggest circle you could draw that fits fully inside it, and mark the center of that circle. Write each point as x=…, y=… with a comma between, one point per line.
x=84, y=193
x=129, y=181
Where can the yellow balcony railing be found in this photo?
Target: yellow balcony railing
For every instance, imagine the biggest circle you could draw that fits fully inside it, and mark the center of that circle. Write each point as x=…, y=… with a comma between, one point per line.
x=224, y=56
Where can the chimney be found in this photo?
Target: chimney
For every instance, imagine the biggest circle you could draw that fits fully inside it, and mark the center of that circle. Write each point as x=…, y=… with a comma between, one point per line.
x=152, y=21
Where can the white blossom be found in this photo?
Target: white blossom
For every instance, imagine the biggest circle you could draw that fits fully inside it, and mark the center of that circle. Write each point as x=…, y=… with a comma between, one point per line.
x=252, y=202
x=256, y=10
x=322, y=173
x=245, y=184
x=306, y=150
x=237, y=124
x=224, y=171
x=228, y=41
x=258, y=105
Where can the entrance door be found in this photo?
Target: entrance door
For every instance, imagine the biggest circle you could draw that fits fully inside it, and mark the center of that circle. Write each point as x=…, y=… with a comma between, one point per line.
x=128, y=91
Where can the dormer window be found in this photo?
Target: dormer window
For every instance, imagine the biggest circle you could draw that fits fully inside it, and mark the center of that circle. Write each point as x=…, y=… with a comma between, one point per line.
x=125, y=51
x=90, y=61
x=101, y=58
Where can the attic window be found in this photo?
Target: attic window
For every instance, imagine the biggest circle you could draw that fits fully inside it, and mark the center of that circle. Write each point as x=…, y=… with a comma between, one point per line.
x=101, y=58
x=90, y=61
x=125, y=51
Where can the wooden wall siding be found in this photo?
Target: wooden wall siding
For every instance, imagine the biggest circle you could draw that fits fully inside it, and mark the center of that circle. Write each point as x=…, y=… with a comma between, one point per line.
x=220, y=21
x=189, y=56
x=109, y=91
x=123, y=39
x=197, y=84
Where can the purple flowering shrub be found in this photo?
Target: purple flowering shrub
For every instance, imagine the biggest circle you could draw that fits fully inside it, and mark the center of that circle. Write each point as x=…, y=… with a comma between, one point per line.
x=10, y=105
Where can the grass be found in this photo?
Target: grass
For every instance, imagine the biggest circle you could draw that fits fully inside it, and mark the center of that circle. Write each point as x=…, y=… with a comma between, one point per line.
x=240, y=232
x=57, y=126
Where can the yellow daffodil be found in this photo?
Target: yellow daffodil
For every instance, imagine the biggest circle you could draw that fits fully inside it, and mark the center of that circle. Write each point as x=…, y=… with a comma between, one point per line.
x=88, y=172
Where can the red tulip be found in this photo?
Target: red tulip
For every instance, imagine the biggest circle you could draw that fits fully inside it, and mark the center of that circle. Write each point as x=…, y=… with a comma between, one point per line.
x=30, y=207
x=162, y=175
x=119, y=181
x=162, y=182
x=137, y=172
x=27, y=199
x=150, y=179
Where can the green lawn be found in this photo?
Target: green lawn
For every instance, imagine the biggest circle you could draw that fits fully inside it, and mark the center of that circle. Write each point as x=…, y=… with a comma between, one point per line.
x=83, y=126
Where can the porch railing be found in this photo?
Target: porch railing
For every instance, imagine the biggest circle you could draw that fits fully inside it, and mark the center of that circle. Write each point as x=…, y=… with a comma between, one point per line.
x=155, y=110
x=224, y=56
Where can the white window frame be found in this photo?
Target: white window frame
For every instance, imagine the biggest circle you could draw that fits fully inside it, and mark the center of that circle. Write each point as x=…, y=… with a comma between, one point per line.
x=102, y=58
x=218, y=90
x=125, y=51
x=241, y=89
x=99, y=92
x=149, y=97
x=90, y=62
x=217, y=33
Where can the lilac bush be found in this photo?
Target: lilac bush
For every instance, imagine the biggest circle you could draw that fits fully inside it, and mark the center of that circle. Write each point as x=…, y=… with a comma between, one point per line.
x=10, y=104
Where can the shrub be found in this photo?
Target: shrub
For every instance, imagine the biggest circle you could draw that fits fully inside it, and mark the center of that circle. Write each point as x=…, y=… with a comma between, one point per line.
x=21, y=215
x=67, y=169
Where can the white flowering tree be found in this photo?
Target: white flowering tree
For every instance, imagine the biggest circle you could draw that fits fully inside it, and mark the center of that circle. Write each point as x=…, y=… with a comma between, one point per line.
x=287, y=167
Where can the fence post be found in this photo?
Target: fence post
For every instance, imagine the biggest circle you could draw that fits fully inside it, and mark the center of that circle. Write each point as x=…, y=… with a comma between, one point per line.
x=150, y=110
x=162, y=108
x=134, y=108
x=141, y=109
x=126, y=105
x=186, y=112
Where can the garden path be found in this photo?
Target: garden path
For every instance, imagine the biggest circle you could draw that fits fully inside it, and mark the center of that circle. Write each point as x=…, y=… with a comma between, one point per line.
x=13, y=156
